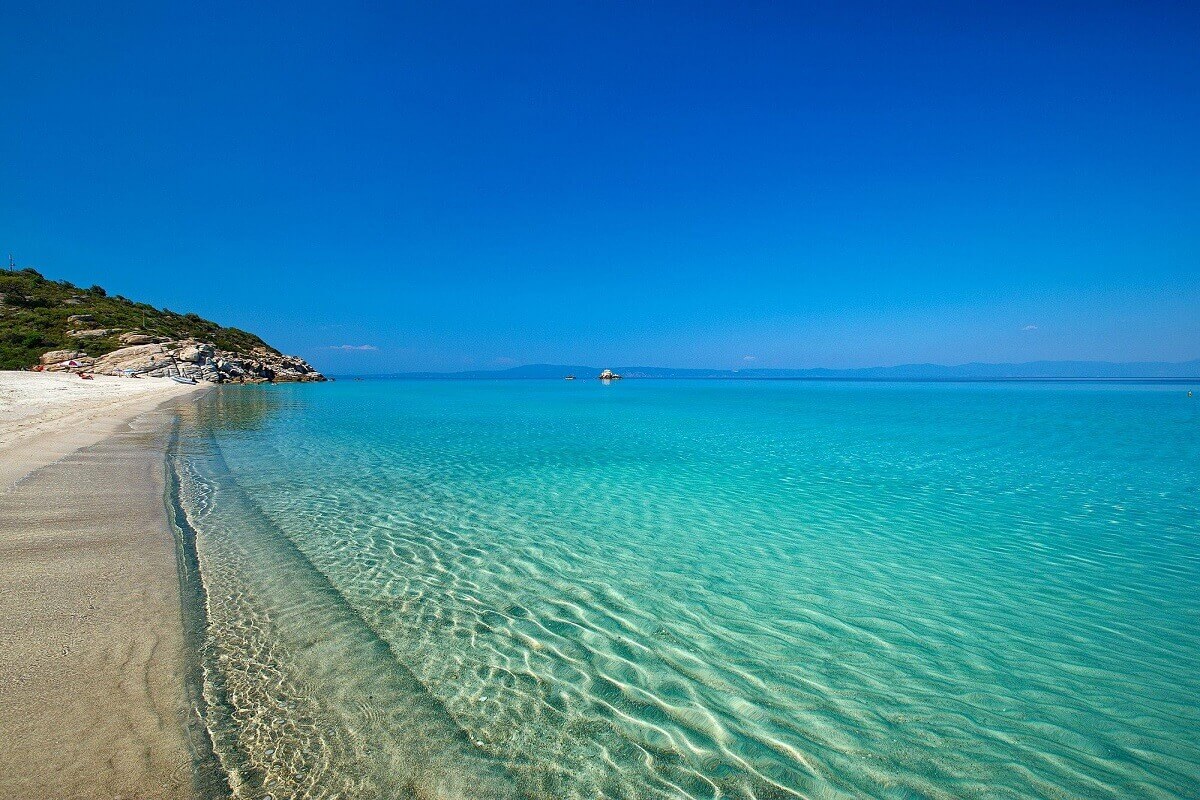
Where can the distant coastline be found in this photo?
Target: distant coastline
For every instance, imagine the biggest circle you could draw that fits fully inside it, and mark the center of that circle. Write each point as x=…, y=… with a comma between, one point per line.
x=1028, y=371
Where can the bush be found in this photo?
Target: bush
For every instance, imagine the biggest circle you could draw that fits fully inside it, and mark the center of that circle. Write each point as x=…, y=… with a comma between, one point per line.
x=27, y=339
x=28, y=301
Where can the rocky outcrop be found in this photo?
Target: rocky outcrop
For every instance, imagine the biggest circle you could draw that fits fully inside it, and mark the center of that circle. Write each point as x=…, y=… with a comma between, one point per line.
x=187, y=358
x=135, y=337
x=57, y=357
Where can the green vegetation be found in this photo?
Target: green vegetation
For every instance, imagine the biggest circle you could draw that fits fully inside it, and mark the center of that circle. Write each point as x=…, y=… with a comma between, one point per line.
x=34, y=312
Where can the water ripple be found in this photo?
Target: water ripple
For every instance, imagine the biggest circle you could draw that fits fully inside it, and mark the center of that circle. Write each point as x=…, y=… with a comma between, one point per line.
x=743, y=591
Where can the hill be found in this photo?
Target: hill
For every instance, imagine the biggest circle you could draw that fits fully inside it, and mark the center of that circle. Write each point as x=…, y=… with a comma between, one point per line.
x=38, y=314
x=55, y=325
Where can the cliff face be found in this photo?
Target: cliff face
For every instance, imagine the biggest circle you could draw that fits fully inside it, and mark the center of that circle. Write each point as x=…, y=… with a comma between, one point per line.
x=49, y=324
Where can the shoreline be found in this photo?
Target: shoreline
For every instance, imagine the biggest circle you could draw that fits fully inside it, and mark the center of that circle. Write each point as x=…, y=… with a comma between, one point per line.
x=93, y=648
x=209, y=776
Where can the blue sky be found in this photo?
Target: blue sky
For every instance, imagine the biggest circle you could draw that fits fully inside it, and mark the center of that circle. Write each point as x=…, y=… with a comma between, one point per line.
x=695, y=184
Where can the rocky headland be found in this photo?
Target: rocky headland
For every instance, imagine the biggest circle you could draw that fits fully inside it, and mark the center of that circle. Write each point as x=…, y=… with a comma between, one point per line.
x=56, y=326
x=187, y=358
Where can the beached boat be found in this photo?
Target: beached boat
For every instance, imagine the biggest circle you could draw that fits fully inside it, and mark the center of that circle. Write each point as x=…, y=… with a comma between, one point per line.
x=188, y=381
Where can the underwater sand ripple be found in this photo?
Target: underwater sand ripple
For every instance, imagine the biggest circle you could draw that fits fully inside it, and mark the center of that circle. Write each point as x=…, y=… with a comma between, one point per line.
x=764, y=591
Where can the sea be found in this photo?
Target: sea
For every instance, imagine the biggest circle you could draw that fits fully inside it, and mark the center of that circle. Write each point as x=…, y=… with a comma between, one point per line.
x=695, y=589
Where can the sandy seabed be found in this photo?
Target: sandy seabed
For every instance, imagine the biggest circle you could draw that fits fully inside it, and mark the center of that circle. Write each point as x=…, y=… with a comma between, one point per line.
x=92, y=701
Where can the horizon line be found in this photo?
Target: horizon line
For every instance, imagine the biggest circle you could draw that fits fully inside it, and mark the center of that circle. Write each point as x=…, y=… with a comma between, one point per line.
x=1072, y=370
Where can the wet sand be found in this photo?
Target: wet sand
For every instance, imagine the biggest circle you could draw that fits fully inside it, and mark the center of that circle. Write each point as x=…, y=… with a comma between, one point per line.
x=92, y=701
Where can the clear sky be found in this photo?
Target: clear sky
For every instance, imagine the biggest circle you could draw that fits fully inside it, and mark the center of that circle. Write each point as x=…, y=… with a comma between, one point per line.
x=694, y=184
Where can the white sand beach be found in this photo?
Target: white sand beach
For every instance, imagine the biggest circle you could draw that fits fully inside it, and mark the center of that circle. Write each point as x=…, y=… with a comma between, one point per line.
x=45, y=415
x=91, y=643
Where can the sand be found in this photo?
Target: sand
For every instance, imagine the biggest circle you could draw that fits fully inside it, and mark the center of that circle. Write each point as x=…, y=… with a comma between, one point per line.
x=92, y=701
x=44, y=416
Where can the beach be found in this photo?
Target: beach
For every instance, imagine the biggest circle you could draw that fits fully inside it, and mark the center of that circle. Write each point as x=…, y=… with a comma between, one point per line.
x=92, y=699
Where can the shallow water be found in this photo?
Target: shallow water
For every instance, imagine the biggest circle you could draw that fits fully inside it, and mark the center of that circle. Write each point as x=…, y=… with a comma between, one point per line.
x=659, y=589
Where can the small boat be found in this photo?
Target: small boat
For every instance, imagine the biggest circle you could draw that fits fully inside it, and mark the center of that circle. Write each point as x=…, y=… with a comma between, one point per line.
x=569, y=378
x=188, y=381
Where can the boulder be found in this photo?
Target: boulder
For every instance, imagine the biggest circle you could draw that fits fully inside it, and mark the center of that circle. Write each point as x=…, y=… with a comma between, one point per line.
x=192, y=355
x=190, y=349
x=134, y=337
x=144, y=358
x=58, y=356
x=81, y=318
x=81, y=363
x=90, y=334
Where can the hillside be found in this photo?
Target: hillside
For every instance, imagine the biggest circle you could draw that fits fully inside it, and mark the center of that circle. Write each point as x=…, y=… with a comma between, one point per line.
x=55, y=325
x=38, y=314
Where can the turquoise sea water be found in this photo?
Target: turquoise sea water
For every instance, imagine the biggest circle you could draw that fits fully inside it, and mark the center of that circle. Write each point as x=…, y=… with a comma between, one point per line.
x=658, y=589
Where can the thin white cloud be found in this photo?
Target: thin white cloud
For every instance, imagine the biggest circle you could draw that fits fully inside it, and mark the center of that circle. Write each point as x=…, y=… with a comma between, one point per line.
x=353, y=347
x=1029, y=328
x=749, y=358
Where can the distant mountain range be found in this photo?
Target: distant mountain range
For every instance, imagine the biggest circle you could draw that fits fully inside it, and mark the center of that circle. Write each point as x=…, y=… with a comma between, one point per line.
x=933, y=372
